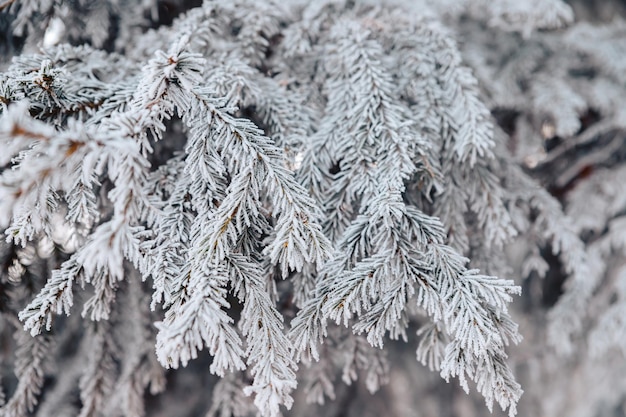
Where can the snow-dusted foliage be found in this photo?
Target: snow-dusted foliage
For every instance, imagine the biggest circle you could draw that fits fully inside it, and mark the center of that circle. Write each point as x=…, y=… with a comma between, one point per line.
x=230, y=207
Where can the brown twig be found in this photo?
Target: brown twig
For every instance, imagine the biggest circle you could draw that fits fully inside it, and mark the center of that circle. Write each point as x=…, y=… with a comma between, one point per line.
x=6, y=4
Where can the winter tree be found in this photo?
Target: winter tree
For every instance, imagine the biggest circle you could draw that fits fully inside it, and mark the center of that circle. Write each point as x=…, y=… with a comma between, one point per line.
x=233, y=208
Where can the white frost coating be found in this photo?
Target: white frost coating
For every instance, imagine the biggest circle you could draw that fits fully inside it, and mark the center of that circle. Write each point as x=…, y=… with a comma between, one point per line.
x=270, y=193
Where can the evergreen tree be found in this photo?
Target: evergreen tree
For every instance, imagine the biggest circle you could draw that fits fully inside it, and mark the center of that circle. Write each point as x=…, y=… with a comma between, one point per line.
x=243, y=207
